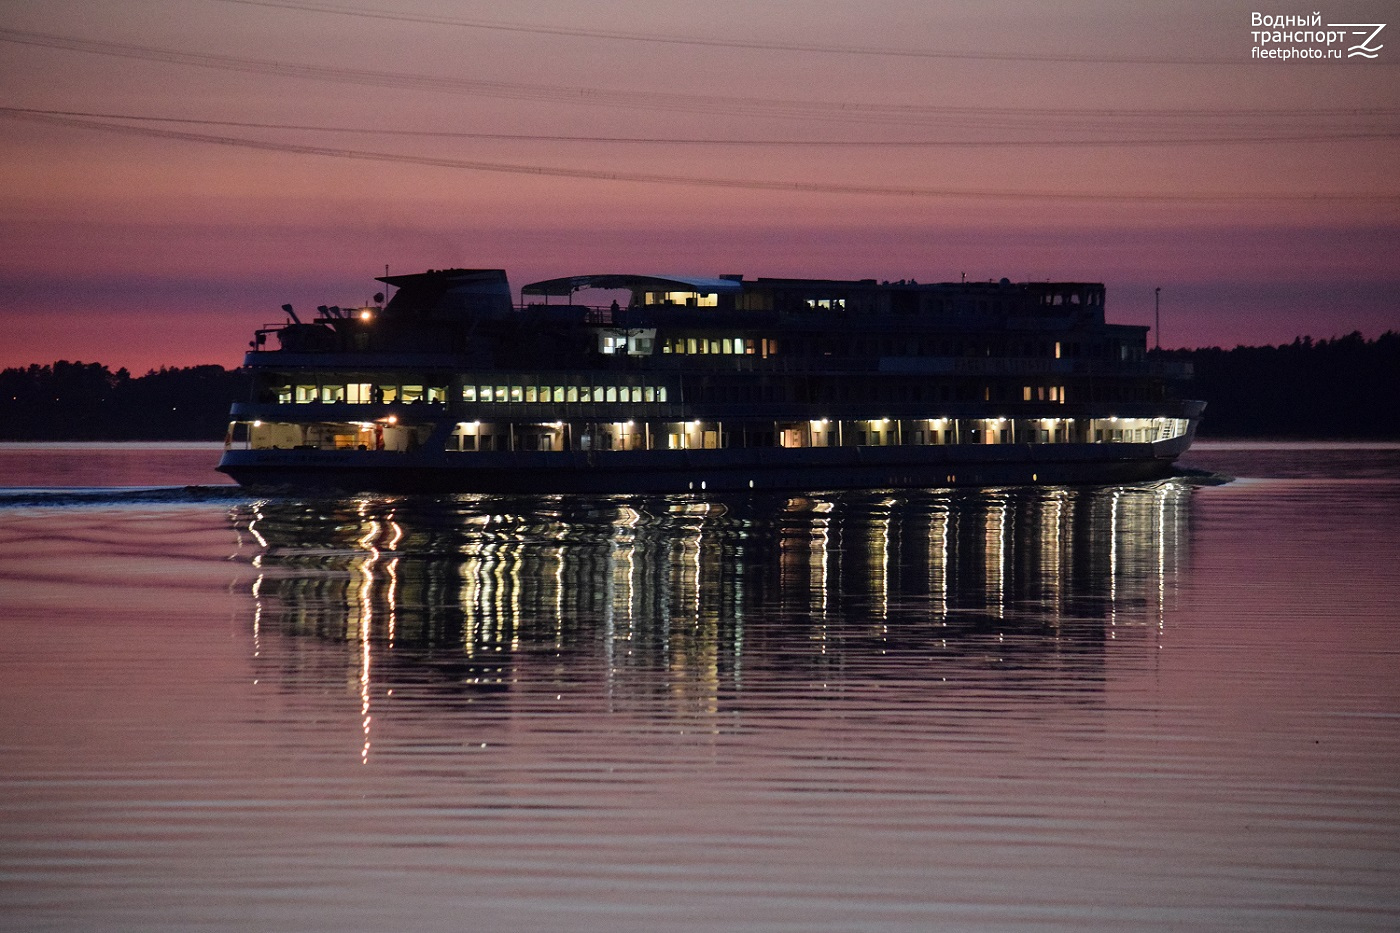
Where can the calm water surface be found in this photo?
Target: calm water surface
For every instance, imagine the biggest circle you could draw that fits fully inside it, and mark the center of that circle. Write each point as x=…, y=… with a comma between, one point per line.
x=1169, y=706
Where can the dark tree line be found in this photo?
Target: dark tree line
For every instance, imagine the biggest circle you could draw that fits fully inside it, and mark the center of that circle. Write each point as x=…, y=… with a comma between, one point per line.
x=1347, y=387
x=87, y=401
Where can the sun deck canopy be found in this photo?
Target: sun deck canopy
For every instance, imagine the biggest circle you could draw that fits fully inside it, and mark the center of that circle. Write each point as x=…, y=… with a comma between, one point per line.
x=636, y=284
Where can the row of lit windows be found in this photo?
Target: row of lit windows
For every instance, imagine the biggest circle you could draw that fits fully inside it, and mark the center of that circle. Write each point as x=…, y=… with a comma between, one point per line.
x=563, y=394
x=734, y=346
x=630, y=435
x=367, y=393
x=360, y=393
x=880, y=432
x=1043, y=393
x=685, y=299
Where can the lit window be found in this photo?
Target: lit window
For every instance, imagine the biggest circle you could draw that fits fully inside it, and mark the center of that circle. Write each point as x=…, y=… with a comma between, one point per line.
x=469, y=393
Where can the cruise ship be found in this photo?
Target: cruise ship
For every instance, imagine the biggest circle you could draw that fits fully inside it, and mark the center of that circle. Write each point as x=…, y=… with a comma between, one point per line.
x=622, y=383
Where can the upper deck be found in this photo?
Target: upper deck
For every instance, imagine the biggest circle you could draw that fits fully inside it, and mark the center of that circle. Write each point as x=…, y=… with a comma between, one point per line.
x=465, y=317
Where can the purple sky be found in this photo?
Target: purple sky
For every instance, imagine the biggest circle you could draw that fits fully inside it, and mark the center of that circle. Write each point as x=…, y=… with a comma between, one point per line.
x=1139, y=145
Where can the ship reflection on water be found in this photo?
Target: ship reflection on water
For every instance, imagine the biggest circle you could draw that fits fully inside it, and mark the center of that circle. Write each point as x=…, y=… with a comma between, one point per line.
x=699, y=599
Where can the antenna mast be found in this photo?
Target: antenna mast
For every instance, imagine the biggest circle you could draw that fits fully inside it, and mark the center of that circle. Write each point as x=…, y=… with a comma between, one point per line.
x=1157, y=314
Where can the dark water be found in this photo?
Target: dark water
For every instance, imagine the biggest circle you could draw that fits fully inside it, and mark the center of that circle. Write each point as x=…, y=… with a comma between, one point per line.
x=1170, y=706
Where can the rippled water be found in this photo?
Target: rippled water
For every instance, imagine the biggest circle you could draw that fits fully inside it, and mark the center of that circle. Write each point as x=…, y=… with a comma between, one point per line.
x=1169, y=706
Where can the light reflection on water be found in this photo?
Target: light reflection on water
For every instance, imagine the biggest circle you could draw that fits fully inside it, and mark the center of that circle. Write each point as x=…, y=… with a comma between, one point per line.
x=1142, y=707
x=700, y=600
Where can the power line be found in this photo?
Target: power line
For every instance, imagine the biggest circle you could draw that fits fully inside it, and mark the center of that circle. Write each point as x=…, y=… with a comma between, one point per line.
x=684, y=180
x=746, y=44
x=833, y=111
x=1264, y=136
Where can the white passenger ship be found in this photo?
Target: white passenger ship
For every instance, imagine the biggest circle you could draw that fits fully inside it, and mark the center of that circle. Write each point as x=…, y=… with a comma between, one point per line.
x=663, y=383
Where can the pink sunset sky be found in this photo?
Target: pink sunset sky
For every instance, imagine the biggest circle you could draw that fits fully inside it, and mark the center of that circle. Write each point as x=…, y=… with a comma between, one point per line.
x=174, y=171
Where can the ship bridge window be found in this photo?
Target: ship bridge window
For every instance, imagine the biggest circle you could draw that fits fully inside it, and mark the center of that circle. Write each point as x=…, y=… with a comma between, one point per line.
x=305, y=393
x=686, y=299
x=826, y=304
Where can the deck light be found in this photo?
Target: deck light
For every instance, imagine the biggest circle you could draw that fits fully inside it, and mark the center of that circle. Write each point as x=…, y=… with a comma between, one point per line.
x=365, y=315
